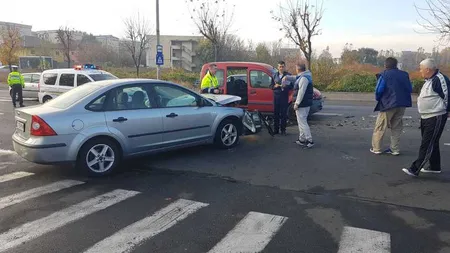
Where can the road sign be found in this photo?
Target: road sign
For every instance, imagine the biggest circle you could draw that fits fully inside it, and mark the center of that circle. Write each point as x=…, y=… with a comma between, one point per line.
x=159, y=48
x=159, y=59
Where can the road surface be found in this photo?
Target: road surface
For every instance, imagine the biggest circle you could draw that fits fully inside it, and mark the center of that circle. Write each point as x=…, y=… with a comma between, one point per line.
x=266, y=195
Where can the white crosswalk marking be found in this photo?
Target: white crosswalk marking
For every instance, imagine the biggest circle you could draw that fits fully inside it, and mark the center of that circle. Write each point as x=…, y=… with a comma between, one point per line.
x=15, y=175
x=34, y=229
x=130, y=237
x=37, y=192
x=363, y=240
x=251, y=234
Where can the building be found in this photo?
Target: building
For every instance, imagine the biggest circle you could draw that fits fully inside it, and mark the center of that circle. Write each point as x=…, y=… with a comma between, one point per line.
x=178, y=51
x=110, y=42
x=52, y=35
x=24, y=30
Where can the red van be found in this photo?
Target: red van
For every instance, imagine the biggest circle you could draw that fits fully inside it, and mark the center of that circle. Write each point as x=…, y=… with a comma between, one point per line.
x=251, y=81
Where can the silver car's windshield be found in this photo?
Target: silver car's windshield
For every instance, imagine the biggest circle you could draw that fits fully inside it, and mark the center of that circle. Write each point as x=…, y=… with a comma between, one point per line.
x=69, y=98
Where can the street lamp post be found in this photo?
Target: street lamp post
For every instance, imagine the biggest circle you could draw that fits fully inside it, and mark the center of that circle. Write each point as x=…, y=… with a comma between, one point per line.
x=158, y=67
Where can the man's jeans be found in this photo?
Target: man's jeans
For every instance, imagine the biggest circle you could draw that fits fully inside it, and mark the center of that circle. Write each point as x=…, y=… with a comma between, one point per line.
x=302, y=121
x=392, y=119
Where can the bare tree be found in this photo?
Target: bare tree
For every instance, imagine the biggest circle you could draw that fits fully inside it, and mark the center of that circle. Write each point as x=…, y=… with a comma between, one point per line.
x=300, y=21
x=438, y=20
x=137, y=37
x=11, y=42
x=66, y=37
x=212, y=20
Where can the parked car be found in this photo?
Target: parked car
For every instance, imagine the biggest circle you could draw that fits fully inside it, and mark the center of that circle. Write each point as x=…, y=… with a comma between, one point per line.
x=251, y=81
x=96, y=126
x=31, y=85
x=55, y=82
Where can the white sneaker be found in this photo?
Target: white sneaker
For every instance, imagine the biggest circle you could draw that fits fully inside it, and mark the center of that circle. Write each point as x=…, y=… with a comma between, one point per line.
x=430, y=171
x=375, y=152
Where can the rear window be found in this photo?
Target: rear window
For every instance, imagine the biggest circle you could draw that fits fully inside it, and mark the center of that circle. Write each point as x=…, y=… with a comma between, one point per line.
x=70, y=97
x=101, y=77
x=50, y=79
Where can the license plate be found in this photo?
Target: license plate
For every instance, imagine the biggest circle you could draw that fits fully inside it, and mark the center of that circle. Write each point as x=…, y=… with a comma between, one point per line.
x=20, y=126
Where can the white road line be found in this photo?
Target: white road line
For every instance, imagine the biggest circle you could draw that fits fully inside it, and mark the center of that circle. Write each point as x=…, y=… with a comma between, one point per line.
x=7, y=152
x=15, y=175
x=364, y=240
x=31, y=230
x=405, y=117
x=446, y=144
x=327, y=114
x=251, y=234
x=125, y=240
x=36, y=192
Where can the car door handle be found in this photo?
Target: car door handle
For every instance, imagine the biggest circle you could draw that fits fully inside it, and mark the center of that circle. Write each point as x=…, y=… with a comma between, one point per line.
x=120, y=119
x=172, y=115
x=252, y=91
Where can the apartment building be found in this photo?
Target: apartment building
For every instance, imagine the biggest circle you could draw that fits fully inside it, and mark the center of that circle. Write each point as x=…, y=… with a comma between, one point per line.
x=24, y=30
x=109, y=41
x=52, y=35
x=179, y=52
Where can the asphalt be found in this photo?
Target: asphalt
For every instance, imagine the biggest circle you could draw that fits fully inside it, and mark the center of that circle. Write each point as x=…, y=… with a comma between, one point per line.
x=320, y=192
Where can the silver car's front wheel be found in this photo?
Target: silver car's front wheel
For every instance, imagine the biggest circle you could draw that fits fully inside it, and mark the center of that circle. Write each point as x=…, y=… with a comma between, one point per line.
x=100, y=158
x=227, y=134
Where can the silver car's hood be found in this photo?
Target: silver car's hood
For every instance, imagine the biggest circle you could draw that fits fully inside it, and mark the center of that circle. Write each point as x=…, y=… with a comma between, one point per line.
x=223, y=99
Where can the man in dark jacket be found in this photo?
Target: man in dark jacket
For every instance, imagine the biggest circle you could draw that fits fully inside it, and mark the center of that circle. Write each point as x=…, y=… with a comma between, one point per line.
x=280, y=98
x=393, y=93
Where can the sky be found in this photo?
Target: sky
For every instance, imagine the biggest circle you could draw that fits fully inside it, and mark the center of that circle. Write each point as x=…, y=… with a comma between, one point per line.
x=380, y=24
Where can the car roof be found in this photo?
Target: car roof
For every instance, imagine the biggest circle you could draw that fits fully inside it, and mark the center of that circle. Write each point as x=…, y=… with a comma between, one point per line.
x=75, y=71
x=239, y=64
x=118, y=82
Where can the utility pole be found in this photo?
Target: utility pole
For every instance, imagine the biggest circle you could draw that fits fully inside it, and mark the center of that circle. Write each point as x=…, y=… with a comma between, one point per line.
x=158, y=67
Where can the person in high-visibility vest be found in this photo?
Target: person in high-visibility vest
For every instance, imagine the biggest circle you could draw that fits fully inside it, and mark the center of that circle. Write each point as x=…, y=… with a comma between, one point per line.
x=17, y=83
x=209, y=81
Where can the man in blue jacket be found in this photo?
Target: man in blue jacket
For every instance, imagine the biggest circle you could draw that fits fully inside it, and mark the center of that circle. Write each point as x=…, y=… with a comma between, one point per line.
x=393, y=95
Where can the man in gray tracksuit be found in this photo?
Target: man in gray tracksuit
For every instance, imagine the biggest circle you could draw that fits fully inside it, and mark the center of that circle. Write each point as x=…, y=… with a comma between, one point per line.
x=302, y=99
x=433, y=107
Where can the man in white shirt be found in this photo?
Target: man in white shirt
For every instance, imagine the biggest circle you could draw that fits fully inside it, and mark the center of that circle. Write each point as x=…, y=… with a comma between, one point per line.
x=433, y=106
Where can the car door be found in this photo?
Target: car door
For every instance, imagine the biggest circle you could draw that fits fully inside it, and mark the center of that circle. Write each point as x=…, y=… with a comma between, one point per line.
x=260, y=95
x=134, y=117
x=82, y=79
x=183, y=120
x=34, y=85
x=66, y=82
x=26, y=91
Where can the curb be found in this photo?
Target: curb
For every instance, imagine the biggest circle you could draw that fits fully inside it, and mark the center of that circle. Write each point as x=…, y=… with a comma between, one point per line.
x=355, y=96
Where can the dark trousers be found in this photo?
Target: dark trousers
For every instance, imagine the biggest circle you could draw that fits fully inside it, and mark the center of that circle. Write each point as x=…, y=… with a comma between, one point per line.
x=431, y=130
x=281, y=105
x=17, y=90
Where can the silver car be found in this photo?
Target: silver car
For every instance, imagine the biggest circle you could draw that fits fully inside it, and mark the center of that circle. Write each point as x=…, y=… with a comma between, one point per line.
x=96, y=126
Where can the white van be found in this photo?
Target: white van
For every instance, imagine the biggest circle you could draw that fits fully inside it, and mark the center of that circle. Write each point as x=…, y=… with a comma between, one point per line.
x=57, y=81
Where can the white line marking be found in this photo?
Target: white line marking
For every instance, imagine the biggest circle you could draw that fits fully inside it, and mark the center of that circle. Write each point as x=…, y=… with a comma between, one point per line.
x=364, y=240
x=15, y=175
x=31, y=230
x=7, y=152
x=405, y=117
x=251, y=234
x=37, y=192
x=125, y=240
x=327, y=114
x=446, y=144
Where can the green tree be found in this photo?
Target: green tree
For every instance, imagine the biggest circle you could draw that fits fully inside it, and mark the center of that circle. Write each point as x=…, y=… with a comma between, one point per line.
x=262, y=53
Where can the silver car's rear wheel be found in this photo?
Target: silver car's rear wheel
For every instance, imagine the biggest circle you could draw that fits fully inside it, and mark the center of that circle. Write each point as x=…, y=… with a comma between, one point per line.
x=100, y=158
